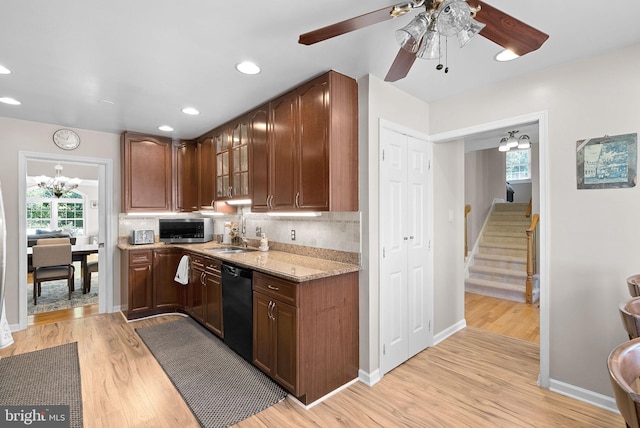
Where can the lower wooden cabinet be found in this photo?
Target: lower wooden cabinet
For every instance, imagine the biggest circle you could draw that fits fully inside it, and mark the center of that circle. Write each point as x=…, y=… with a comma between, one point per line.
x=305, y=335
x=147, y=285
x=204, y=293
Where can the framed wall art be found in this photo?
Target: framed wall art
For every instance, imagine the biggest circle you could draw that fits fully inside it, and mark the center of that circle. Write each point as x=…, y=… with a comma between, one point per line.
x=608, y=162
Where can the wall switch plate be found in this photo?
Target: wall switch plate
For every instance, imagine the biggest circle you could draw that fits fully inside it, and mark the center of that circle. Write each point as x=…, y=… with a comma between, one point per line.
x=258, y=231
x=293, y=234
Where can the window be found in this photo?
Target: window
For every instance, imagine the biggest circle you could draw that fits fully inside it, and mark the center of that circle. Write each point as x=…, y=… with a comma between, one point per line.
x=519, y=165
x=45, y=211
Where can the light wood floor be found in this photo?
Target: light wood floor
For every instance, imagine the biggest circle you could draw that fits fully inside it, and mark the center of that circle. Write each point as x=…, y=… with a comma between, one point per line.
x=474, y=378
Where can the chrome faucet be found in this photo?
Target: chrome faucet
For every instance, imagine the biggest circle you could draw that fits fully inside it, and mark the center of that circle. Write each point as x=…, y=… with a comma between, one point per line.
x=243, y=230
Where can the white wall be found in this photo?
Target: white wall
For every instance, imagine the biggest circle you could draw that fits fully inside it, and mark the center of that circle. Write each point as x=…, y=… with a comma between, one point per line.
x=377, y=100
x=19, y=135
x=593, y=234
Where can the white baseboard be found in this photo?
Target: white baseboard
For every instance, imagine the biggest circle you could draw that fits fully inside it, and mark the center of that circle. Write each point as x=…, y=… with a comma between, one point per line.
x=14, y=327
x=595, y=399
x=369, y=379
x=324, y=397
x=451, y=330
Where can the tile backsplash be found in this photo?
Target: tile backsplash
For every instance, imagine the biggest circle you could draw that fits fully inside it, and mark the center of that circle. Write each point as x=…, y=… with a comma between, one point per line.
x=331, y=230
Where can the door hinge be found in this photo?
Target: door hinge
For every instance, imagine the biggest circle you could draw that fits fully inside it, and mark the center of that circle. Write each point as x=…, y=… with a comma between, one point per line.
x=383, y=154
x=429, y=165
x=429, y=247
x=384, y=349
x=384, y=252
x=429, y=325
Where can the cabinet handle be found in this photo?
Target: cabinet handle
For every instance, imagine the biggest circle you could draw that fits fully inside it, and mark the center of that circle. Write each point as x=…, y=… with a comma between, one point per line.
x=202, y=281
x=269, y=310
x=270, y=202
x=273, y=287
x=411, y=237
x=298, y=200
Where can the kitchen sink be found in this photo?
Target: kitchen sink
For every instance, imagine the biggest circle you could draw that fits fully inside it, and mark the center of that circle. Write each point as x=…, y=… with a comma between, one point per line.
x=230, y=250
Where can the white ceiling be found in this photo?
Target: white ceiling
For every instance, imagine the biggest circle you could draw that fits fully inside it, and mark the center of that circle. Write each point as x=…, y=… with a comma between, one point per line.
x=150, y=58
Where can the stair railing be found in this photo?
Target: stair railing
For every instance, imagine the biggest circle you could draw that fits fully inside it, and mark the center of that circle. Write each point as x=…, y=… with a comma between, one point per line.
x=532, y=263
x=527, y=214
x=467, y=210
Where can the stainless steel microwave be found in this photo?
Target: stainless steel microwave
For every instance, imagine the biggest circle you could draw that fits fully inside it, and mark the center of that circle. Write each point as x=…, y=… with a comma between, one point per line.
x=185, y=230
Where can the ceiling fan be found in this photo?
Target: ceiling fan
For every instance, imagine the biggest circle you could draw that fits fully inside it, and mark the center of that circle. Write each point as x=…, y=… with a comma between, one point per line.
x=421, y=37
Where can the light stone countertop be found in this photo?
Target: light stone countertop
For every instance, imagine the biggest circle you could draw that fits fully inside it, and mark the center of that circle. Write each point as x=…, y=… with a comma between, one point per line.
x=293, y=267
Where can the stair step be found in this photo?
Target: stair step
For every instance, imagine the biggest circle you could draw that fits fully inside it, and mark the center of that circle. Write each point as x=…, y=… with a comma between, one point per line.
x=511, y=240
x=501, y=261
x=506, y=233
x=506, y=228
x=497, y=289
x=510, y=207
x=492, y=272
x=503, y=249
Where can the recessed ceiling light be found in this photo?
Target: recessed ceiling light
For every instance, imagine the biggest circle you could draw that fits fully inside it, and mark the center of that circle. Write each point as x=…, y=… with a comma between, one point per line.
x=165, y=128
x=190, y=110
x=4, y=70
x=248, y=67
x=10, y=101
x=506, y=55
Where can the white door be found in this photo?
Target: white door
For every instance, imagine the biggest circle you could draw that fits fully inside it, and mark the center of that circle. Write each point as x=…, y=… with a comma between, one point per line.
x=405, y=278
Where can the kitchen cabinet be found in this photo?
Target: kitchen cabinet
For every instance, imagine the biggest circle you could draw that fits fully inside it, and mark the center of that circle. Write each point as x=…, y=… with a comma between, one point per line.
x=312, y=148
x=232, y=160
x=147, y=184
x=187, y=176
x=306, y=334
x=136, y=283
x=206, y=174
x=167, y=293
x=259, y=157
x=147, y=285
x=204, y=294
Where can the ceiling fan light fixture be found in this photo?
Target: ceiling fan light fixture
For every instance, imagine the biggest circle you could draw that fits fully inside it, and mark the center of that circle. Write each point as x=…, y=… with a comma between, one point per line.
x=430, y=47
x=469, y=32
x=452, y=17
x=506, y=55
x=401, y=9
x=503, y=147
x=409, y=36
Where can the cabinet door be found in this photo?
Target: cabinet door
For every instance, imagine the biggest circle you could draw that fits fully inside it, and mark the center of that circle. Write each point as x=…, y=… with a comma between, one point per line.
x=187, y=177
x=262, y=333
x=146, y=173
x=140, y=288
x=285, y=320
x=195, y=294
x=213, y=304
x=206, y=173
x=282, y=142
x=240, y=159
x=166, y=292
x=313, y=146
x=222, y=139
x=259, y=158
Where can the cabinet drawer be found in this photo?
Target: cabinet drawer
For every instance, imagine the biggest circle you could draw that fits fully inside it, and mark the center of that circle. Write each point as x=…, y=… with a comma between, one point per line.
x=196, y=261
x=277, y=288
x=213, y=266
x=139, y=257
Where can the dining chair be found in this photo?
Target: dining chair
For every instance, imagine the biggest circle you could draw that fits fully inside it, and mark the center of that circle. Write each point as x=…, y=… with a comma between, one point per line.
x=630, y=313
x=624, y=370
x=633, y=283
x=51, y=262
x=92, y=266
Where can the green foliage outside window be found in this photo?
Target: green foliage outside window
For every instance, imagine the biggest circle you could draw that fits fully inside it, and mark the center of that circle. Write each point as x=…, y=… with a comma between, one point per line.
x=46, y=211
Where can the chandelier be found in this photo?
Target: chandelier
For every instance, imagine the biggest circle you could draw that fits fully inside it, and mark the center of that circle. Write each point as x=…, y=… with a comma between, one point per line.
x=442, y=18
x=513, y=143
x=59, y=184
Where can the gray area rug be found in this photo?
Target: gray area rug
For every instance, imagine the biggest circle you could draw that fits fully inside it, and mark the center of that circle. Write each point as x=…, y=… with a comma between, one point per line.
x=48, y=377
x=55, y=296
x=218, y=385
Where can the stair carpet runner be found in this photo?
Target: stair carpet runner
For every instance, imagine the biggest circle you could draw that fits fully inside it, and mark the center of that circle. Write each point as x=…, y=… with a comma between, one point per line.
x=499, y=267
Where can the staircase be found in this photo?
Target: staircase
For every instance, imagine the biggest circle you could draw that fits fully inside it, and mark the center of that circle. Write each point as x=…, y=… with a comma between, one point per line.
x=498, y=267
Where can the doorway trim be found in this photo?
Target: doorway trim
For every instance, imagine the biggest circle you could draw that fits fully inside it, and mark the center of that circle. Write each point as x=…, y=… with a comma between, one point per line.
x=543, y=238
x=105, y=207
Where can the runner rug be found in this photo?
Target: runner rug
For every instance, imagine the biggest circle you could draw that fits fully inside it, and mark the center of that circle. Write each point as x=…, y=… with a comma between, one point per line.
x=218, y=385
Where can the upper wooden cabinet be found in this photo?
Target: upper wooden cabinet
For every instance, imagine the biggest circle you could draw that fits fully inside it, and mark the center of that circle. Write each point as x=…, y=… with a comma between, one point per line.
x=158, y=175
x=187, y=176
x=147, y=183
x=206, y=173
x=259, y=157
x=312, y=148
x=232, y=160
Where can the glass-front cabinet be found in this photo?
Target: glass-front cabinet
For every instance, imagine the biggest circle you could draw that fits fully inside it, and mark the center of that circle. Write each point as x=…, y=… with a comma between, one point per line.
x=232, y=161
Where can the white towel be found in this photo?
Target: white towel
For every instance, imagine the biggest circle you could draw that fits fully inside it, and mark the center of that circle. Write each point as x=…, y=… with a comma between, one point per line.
x=182, y=274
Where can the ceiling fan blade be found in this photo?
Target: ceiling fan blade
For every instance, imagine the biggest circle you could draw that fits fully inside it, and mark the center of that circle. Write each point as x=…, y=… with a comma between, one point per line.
x=346, y=26
x=507, y=31
x=401, y=65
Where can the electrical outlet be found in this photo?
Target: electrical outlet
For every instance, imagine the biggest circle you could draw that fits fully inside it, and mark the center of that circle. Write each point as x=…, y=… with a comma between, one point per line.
x=293, y=234
x=258, y=231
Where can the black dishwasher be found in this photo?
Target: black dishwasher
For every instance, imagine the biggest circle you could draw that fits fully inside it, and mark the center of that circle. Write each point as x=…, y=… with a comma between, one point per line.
x=237, y=309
